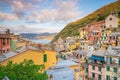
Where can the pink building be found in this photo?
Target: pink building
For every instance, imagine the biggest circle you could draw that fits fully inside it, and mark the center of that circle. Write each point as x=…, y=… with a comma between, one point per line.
x=4, y=43
x=96, y=67
x=96, y=26
x=94, y=30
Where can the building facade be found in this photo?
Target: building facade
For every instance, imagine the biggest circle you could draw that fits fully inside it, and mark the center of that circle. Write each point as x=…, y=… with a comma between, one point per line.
x=4, y=43
x=46, y=57
x=96, y=67
x=112, y=59
x=114, y=39
x=112, y=21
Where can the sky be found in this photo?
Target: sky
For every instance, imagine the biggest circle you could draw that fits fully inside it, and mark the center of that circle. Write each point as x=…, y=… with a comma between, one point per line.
x=39, y=16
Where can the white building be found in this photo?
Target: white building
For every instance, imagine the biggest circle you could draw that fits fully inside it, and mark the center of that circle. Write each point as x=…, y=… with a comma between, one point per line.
x=112, y=21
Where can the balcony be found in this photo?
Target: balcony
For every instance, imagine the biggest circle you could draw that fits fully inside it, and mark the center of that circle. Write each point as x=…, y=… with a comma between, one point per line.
x=113, y=65
x=96, y=64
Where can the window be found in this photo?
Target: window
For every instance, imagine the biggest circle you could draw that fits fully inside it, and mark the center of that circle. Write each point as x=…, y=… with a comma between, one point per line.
x=115, y=78
x=3, y=41
x=45, y=57
x=93, y=67
x=104, y=38
x=110, y=19
x=99, y=68
x=102, y=34
x=119, y=61
x=93, y=75
x=99, y=77
x=108, y=68
x=115, y=69
x=87, y=70
x=110, y=60
x=7, y=41
x=107, y=77
x=106, y=34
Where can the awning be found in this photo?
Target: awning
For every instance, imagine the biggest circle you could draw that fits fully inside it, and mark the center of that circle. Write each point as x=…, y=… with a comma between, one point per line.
x=97, y=58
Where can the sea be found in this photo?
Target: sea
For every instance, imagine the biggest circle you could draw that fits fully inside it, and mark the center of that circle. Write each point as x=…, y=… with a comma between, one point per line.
x=42, y=41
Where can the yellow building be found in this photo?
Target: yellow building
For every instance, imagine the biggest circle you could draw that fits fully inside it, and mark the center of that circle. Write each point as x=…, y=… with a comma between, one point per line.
x=75, y=45
x=46, y=57
x=104, y=39
x=81, y=72
x=119, y=23
x=84, y=45
x=82, y=32
x=112, y=59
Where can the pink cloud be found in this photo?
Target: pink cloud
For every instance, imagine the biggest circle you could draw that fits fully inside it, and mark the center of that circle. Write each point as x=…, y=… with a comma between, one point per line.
x=63, y=11
x=5, y=16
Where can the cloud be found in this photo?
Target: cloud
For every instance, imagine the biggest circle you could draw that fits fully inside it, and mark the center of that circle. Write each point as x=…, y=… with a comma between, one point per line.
x=20, y=8
x=66, y=10
x=21, y=29
x=6, y=1
x=9, y=17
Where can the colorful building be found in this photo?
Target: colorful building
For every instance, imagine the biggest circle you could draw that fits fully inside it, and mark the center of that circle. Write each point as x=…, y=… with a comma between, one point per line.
x=83, y=31
x=112, y=21
x=104, y=39
x=96, y=66
x=114, y=39
x=13, y=45
x=46, y=57
x=96, y=26
x=84, y=45
x=112, y=59
x=4, y=43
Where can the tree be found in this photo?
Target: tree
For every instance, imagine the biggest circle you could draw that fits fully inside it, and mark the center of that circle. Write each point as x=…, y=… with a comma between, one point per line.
x=25, y=70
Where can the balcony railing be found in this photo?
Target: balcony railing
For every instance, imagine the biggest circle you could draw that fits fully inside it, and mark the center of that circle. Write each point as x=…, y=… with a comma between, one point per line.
x=95, y=63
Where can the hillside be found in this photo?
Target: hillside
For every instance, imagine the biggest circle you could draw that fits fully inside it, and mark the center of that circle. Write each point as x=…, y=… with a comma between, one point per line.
x=71, y=29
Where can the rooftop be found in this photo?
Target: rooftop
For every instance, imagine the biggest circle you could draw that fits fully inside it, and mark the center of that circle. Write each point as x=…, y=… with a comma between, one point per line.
x=66, y=63
x=8, y=55
x=4, y=36
x=61, y=73
x=113, y=51
x=115, y=34
x=99, y=53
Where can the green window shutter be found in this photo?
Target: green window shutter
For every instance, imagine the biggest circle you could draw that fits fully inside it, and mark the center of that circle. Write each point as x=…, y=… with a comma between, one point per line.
x=45, y=57
x=93, y=75
x=106, y=34
x=115, y=69
x=99, y=68
x=119, y=61
x=99, y=77
x=105, y=38
x=103, y=34
x=86, y=69
x=107, y=77
x=108, y=68
x=93, y=67
x=110, y=60
x=115, y=78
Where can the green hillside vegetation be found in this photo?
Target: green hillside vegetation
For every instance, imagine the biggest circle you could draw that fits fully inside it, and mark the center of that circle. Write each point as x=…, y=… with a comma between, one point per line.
x=71, y=29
